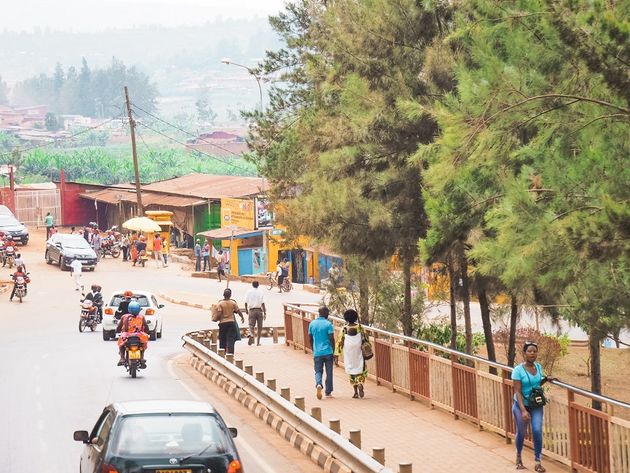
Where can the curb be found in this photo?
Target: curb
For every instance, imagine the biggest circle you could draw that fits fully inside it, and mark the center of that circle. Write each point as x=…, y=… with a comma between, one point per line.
x=180, y=302
x=299, y=441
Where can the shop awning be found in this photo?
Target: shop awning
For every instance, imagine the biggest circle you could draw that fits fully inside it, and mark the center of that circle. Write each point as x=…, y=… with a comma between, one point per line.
x=226, y=233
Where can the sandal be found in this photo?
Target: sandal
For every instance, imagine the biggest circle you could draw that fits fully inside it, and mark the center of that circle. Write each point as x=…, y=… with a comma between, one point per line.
x=538, y=467
x=361, y=392
x=355, y=396
x=519, y=464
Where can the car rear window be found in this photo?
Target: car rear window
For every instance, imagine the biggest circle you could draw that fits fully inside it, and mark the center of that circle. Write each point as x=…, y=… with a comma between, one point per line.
x=169, y=434
x=142, y=300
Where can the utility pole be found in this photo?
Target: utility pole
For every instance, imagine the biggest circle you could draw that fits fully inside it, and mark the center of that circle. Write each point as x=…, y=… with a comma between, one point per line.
x=132, y=127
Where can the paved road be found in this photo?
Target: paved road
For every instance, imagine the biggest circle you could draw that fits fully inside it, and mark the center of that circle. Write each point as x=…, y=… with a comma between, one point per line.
x=56, y=380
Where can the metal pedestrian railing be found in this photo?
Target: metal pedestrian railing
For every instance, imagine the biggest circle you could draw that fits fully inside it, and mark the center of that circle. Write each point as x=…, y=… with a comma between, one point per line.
x=586, y=439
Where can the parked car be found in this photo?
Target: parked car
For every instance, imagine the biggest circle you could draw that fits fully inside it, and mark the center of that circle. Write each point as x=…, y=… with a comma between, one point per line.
x=62, y=248
x=4, y=210
x=10, y=226
x=159, y=436
x=150, y=309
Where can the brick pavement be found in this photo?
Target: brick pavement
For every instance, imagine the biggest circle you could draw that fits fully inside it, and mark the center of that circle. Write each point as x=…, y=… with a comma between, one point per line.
x=409, y=431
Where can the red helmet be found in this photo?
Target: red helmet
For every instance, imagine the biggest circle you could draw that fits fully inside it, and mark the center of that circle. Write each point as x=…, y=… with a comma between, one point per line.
x=128, y=294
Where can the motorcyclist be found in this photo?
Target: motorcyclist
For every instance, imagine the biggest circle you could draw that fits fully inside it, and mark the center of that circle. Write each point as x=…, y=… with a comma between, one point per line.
x=2, y=246
x=19, y=272
x=97, y=299
x=132, y=323
x=123, y=307
x=8, y=242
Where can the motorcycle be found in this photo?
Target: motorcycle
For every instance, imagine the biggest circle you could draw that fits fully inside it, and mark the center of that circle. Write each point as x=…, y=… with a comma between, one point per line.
x=133, y=355
x=111, y=248
x=9, y=256
x=89, y=316
x=20, y=283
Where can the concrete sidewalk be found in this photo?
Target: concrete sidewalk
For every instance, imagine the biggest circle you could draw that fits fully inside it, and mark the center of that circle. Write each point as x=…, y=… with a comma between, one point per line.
x=409, y=431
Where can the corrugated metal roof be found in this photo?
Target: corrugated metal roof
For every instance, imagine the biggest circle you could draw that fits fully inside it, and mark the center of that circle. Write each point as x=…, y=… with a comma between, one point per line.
x=226, y=233
x=211, y=186
x=113, y=196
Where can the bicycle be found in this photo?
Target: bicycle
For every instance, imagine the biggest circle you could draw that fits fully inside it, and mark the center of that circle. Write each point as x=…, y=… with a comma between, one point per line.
x=272, y=281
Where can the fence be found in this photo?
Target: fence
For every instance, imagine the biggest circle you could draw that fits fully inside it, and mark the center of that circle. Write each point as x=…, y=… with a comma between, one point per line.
x=32, y=206
x=480, y=391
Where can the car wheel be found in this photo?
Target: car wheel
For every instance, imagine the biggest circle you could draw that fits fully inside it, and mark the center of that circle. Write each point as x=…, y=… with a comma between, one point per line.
x=48, y=260
x=61, y=265
x=106, y=335
x=159, y=334
x=152, y=335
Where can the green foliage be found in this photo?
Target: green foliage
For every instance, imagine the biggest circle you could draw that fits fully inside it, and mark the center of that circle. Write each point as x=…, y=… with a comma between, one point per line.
x=440, y=333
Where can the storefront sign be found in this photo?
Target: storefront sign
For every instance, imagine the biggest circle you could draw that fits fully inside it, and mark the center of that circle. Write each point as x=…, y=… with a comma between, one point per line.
x=264, y=216
x=238, y=213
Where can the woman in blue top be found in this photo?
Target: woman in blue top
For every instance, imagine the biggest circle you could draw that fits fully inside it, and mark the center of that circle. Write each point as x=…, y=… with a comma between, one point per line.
x=526, y=376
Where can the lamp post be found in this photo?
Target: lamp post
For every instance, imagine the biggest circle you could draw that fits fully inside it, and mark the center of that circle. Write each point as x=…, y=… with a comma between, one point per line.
x=253, y=74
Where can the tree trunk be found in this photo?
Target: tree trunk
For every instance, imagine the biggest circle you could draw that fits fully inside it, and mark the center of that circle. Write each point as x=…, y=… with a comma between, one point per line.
x=453, y=302
x=466, y=300
x=484, y=306
x=364, y=298
x=594, y=347
x=407, y=323
x=512, y=340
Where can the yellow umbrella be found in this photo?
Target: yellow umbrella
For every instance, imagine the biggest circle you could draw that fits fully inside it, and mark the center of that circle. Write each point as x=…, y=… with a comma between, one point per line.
x=142, y=224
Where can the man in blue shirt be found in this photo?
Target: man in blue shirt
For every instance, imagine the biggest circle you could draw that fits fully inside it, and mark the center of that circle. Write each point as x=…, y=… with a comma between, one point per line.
x=322, y=337
x=198, y=255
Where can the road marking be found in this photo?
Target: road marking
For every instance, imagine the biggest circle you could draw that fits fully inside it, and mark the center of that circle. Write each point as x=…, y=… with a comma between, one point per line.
x=262, y=464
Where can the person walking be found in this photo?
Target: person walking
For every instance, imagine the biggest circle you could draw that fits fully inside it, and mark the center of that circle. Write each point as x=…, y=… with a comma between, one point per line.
x=157, y=250
x=529, y=400
x=76, y=268
x=322, y=337
x=197, y=252
x=256, y=312
x=349, y=344
x=228, y=328
x=206, y=256
x=165, y=254
x=97, y=243
x=124, y=246
x=49, y=221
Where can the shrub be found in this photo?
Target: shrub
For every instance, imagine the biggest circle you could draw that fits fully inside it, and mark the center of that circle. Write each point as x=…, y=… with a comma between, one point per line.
x=550, y=347
x=440, y=333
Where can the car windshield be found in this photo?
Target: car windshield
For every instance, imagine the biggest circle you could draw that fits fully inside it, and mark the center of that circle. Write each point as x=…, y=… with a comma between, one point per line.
x=139, y=298
x=75, y=243
x=7, y=220
x=169, y=434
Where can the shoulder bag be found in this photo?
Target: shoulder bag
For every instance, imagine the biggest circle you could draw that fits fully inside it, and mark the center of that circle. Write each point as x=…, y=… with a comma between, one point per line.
x=216, y=312
x=537, y=397
x=366, y=346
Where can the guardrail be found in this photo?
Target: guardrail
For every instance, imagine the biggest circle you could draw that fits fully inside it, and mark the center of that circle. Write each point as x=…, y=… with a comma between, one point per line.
x=586, y=439
x=331, y=442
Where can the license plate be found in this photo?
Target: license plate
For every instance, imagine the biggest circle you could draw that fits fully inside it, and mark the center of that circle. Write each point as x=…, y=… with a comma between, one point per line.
x=173, y=471
x=135, y=355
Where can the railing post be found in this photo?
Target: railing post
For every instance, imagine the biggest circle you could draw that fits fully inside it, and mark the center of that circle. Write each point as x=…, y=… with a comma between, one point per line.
x=573, y=434
x=507, y=404
x=378, y=383
x=410, y=362
x=454, y=386
x=429, y=364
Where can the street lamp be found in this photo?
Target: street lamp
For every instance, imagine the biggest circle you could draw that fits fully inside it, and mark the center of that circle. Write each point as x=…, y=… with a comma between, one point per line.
x=252, y=73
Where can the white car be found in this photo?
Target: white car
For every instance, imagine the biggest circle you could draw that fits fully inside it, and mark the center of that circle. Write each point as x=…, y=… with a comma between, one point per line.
x=150, y=309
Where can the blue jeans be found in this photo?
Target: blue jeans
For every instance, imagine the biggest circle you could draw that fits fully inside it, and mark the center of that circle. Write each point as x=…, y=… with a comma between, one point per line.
x=521, y=429
x=320, y=362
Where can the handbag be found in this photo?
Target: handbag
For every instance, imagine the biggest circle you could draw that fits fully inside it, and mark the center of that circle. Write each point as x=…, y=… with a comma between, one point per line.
x=366, y=346
x=216, y=312
x=537, y=397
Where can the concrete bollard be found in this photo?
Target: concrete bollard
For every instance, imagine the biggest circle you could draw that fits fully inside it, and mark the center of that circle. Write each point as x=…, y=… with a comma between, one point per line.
x=249, y=369
x=230, y=357
x=405, y=467
x=299, y=403
x=214, y=347
x=239, y=364
x=271, y=384
x=378, y=453
x=355, y=438
x=335, y=425
x=316, y=413
x=221, y=352
x=260, y=376
x=286, y=393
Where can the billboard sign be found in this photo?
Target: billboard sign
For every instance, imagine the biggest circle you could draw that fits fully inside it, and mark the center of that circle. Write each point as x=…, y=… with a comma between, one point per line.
x=264, y=215
x=237, y=213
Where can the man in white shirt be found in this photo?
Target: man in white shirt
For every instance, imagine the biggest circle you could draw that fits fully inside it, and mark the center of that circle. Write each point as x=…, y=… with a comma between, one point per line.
x=19, y=261
x=256, y=311
x=76, y=268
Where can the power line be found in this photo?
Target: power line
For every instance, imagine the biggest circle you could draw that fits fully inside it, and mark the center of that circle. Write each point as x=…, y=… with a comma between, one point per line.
x=181, y=129
x=216, y=158
x=65, y=138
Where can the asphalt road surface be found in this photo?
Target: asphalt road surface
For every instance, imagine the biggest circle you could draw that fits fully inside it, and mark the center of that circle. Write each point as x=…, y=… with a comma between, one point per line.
x=56, y=380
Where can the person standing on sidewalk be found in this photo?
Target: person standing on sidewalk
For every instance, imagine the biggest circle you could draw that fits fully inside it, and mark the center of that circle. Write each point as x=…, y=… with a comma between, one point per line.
x=157, y=250
x=228, y=327
x=165, y=254
x=528, y=404
x=49, y=221
x=322, y=337
x=206, y=256
x=124, y=245
x=349, y=343
x=256, y=312
x=76, y=268
x=197, y=251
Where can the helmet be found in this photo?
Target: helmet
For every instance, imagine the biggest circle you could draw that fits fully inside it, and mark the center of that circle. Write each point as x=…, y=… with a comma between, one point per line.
x=128, y=294
x=142, y=238
x=134, y=308
x=9, y=238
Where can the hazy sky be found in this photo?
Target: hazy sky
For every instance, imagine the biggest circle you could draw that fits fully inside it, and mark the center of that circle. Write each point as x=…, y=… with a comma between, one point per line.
x=94, y=15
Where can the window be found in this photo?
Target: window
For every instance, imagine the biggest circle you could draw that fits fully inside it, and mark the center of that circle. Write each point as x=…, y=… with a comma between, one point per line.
x=176, y=434
x=102, y=429
x=140, y=299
